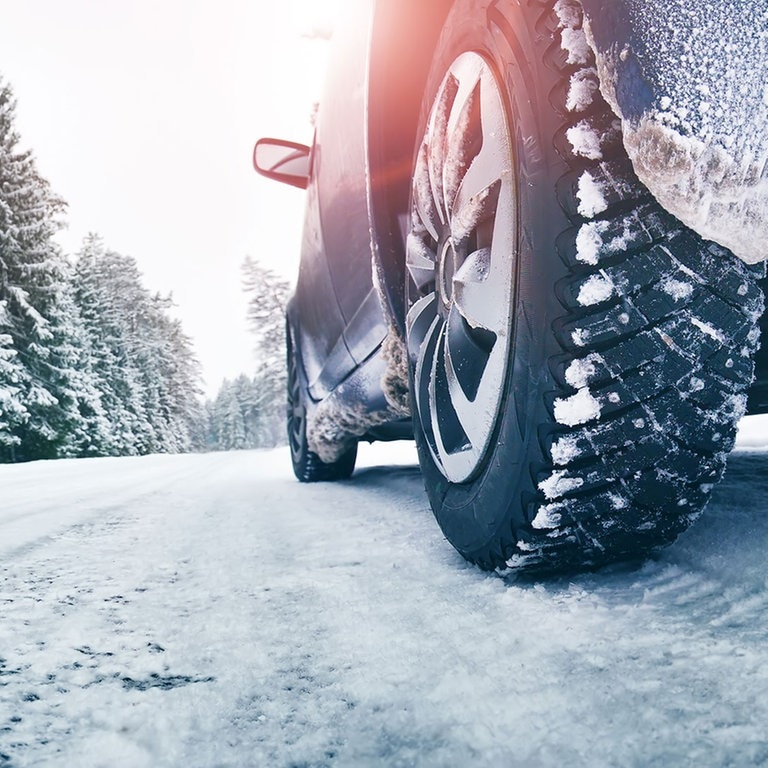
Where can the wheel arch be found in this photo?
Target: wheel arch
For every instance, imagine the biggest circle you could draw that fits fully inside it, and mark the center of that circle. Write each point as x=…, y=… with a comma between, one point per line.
x=403, y=38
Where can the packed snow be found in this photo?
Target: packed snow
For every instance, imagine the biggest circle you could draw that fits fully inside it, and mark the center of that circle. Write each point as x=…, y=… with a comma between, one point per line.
x=585, y=140
x=564, y=450
x=547, y=517
x=559, y=483
x=574, y=43
x=679, y=290
x=596, y=289
x=580, y=371
x=582, y=89
x=590, y=196
x=578, y=408
x=208, y=610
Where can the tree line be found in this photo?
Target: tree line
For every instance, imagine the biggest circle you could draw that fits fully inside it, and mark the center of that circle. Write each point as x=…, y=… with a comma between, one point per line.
x=249, y=412
x=92, y=363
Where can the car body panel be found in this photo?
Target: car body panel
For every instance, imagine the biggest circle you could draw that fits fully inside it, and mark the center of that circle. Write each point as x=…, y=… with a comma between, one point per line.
x=338, y=317
x=342, y=167
x=314, y=312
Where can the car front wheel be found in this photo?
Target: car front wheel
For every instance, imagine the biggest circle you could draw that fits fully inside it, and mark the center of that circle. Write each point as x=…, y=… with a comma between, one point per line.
x=578, y=358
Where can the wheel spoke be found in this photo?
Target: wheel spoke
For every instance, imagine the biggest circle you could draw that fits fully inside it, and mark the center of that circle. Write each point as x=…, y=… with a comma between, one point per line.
x=473, y=212
x=420, y=260
x=450, y=437
x=422, y=359
x=490, y=166
x=466, y=366
x=471, y=196
x=467, y=354
x=419, y=321
x=482, y=302
x=438, y=141
x=425, y=213
x=463, y=144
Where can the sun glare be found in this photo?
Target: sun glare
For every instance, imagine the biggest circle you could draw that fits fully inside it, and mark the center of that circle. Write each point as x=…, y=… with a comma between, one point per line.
x=314, y=18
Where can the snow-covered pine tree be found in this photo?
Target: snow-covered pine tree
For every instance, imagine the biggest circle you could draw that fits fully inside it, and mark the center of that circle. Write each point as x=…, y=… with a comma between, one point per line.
x=230, y=431
x=176, y=377
x=233, y=418
x=147, y=373
x=95, y=295
x=90, y=362
x=267, y=296
x=46, y=381
x=12, y=382
x=84, y=427
x=257, y=409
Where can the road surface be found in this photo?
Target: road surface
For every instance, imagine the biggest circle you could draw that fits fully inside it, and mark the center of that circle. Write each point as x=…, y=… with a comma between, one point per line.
x=208, y=611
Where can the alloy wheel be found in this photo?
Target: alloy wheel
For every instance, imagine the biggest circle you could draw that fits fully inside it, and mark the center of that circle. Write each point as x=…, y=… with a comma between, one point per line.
x=461, y=258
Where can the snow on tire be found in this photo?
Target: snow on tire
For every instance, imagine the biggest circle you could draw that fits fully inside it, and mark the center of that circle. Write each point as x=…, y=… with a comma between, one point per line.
x=586, y=419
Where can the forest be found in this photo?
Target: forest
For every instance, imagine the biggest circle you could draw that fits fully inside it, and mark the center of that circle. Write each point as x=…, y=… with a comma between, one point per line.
x=92, y=363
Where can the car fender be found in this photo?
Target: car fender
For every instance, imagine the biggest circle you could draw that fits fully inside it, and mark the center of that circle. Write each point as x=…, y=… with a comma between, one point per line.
x=688, y=80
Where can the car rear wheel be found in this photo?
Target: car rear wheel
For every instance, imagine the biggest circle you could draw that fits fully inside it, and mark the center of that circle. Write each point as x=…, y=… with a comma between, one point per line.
x=578, y=358
x=307, y=465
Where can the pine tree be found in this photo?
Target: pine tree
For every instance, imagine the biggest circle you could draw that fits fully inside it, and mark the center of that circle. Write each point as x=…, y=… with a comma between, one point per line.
x=82, y=426
x=13, y=413
x=91, y=363
x=147, y=373
x=175, y=375
x=33, y=294
x=97, y=294
x=231, y=432
x=267, y=296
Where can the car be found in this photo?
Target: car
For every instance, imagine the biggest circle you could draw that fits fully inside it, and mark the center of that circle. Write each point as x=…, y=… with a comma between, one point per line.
x=483, y=270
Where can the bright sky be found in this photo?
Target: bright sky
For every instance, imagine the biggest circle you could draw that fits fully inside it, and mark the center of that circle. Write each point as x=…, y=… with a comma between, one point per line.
x=143, y=113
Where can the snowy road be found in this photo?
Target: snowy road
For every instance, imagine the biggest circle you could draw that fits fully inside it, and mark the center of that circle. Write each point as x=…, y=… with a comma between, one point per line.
x=210, y=611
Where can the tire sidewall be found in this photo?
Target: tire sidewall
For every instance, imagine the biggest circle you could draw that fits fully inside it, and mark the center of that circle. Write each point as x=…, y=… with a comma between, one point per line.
x=298, y=457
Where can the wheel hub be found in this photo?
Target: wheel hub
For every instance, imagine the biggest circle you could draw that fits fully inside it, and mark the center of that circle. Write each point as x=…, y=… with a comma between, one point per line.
x=446, y=268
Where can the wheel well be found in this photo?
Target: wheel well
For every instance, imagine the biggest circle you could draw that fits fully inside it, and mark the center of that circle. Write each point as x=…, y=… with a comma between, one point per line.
x=402, y=45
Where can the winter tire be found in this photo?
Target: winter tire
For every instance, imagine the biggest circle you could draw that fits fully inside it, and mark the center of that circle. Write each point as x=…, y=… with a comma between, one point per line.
x=578, y=358
x=307, y=465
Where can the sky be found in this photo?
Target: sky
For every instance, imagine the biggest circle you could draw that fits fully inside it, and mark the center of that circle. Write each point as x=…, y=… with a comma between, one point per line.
x=143, y=114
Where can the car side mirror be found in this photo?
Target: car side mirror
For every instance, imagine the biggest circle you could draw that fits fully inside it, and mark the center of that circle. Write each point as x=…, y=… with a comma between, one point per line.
x=284, y=161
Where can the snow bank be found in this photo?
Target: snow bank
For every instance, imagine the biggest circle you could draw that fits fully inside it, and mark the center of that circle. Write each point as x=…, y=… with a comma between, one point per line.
x=688, y=80
x=752, y=434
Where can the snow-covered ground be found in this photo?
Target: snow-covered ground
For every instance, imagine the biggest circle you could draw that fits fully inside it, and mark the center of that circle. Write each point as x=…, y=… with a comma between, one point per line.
x=211, y=611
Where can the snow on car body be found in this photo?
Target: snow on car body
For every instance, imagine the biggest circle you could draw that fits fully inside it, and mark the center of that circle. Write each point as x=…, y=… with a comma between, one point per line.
x=690, y=82
x=482, y=265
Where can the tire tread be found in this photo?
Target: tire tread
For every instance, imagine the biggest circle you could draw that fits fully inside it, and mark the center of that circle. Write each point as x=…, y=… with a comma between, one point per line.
x=670, y=352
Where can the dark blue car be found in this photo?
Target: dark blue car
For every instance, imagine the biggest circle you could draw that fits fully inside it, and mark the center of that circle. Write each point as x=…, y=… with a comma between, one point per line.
x=533, y=241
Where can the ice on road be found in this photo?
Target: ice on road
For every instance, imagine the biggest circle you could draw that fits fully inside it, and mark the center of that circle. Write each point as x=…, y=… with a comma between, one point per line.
x=210, y=611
